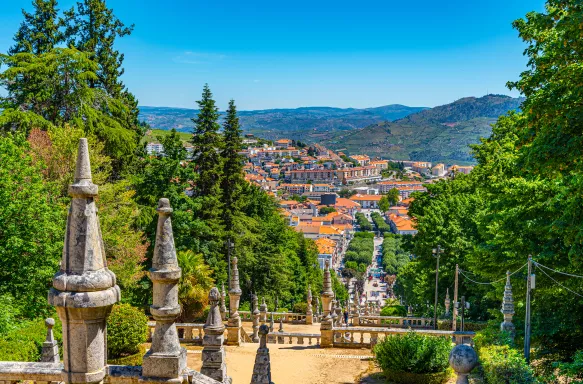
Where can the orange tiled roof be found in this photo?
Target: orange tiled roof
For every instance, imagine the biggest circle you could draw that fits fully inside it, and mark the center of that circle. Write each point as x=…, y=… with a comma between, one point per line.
x=346, y=203
x=366, y=197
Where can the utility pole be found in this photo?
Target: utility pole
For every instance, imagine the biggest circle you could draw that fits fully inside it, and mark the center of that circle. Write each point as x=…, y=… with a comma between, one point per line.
x=527, y=319
x=455, y=304
x=463, y=305
x=436, y=252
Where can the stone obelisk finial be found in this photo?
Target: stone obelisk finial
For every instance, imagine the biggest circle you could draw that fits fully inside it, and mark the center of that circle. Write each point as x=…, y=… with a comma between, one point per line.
x=213, y=353
x=262, y=367
x=223, y=307
x=309, y=310
x=84, y=290
x=234, y=324
x=327, y=295
x=165, y=359
x=50, y=350
x=508, y=307
x=263, y=310
x=256, y=314
x=447, y=302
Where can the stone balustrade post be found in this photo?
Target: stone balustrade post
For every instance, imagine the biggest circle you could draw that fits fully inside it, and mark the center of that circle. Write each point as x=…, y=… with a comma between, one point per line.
x=234, y=323
x=326, y=324
x=50, y=349
x=309, y=311
x=262, y=366
x=213, y=353
x=166, y=360
x=256, y=315
x=84, y=289
x=508, y=308
x=263, y=311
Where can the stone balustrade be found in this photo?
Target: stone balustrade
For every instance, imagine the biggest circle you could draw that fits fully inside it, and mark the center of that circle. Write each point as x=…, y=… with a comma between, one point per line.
x=187, y=332
x=368, y=337
x=288, y=317
x=293, y=338
x=395, y=322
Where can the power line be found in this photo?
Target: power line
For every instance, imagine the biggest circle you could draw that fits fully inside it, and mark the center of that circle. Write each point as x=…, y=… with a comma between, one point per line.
x=554, y=270
x=492, y=282
x=573, y=292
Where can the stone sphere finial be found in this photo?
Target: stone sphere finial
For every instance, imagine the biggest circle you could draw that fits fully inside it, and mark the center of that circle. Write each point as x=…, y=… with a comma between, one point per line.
x=49, y=322
x=462, y=359
x=263, y=329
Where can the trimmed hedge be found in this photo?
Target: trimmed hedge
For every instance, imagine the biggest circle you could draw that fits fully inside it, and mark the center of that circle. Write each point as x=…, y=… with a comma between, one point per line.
x=394, y=310
x=380, y=223
x=393, y=255
x=127, y=329
x=360, y=250
x=505, y=365
x=413, y=353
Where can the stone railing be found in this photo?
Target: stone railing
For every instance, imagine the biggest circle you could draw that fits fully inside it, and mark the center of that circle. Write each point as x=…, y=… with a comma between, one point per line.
x=293, y=338
x=187, y=332
x=42, y=373
x=288, y=317
x=395, y=322
x=368, y=337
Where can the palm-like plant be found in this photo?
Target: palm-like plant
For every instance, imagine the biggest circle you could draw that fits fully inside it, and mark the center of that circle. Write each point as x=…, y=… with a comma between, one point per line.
x=195, y=284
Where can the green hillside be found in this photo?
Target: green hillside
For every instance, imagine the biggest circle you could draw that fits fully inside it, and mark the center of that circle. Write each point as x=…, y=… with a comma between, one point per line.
x=442, y=133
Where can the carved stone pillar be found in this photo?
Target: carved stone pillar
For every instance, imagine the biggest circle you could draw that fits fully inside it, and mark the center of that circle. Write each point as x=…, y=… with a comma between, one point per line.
x=508, y=308
x=326, y=322
x=262, y=367
x=309, y=311
x=263, y=311
x=213, y=353
x=447, y=303
x=50, y=350
x=165, y=359
x=234, y=324
x=84, y=289
x=256, y=315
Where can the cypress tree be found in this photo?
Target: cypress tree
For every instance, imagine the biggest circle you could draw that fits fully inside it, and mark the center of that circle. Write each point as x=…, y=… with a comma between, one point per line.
x=206, y=141
x=231, y=184
x=40, y=31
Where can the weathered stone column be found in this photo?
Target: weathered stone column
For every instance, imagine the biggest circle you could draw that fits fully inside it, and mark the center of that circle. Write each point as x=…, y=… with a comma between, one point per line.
x=327, y=296
x=213, y=353
x=256, y=315
x=223, y=308
x=309, y=311
x=262, y=367
x=447, y=303
x=50, y=350
x=271, y=323
x=84, y=290
x=166, y=359
x=263, y=310
x=234, y=324
x=508, y=308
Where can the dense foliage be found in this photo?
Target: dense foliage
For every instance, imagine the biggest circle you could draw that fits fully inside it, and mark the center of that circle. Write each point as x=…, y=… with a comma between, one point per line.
x=505, y=365
x=394, y=256
x=23, y=342
x=360, y=250
x=380, y=223
x=398, y=355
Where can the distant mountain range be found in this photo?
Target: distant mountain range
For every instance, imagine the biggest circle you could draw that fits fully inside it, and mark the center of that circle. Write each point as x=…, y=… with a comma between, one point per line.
x=394, y=131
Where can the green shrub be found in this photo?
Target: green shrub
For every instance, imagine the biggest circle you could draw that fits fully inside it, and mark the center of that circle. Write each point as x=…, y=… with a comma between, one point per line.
x=413, y=353
x=24, y=342
x=127, y=328
x=135, y=359
x=394, y=310
x=505, y=365
x=300, y=307
x=491, y=336
x=471, y=326
x=417, y=378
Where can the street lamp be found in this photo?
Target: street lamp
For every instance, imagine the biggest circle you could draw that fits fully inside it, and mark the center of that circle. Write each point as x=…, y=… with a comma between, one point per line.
x=436, y=252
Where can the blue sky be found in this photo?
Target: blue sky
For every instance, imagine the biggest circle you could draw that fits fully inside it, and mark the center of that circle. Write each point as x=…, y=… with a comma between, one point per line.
x=285, y=54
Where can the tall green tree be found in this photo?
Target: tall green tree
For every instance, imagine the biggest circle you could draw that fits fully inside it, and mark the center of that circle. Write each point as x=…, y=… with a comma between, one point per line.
x=207, y=145
x=40, y=31
x=232, y=180
x=93, y=28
